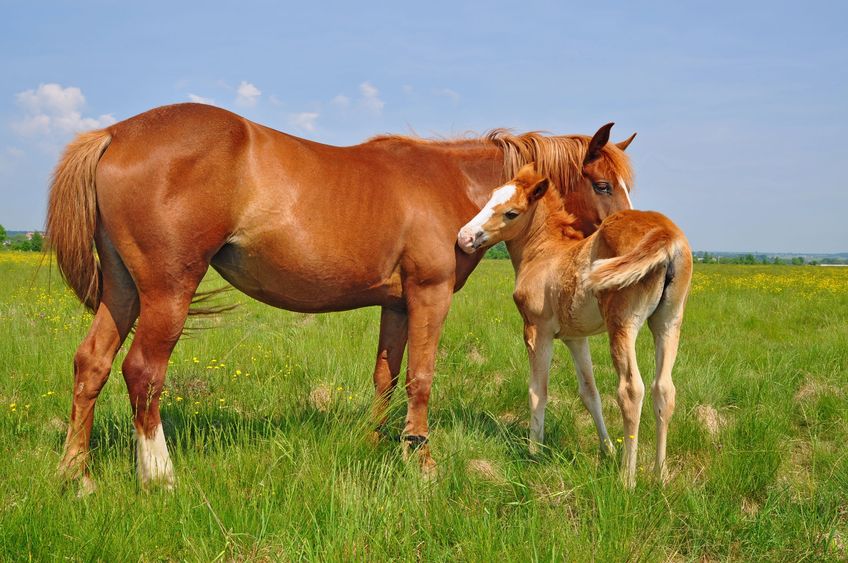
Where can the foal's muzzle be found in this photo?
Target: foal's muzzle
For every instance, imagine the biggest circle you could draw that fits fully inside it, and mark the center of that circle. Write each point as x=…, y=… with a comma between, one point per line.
x=469, y=239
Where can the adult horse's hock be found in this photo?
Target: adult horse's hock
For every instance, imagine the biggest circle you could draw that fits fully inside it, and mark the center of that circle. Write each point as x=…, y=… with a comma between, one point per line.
x=637, y=266
x=293, y=223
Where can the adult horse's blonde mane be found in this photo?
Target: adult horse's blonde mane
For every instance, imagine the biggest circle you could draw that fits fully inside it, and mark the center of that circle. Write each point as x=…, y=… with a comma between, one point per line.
x=558, y=157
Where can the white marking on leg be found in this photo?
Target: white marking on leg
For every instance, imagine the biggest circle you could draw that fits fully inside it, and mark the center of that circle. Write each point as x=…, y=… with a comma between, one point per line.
x=153, y=461
x=626, y=192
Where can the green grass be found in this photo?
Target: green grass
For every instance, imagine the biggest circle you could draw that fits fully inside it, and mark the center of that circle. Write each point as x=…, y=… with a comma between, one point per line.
x=266, y=417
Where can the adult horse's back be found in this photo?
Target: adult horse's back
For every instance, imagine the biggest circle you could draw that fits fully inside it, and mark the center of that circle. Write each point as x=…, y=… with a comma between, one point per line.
x=293, y=223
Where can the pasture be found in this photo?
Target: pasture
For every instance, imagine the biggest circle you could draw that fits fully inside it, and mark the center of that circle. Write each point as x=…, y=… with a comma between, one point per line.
x=266, y=415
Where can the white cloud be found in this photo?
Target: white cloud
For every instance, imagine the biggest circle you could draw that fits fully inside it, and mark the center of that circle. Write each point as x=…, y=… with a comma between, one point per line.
x=247, y=94
x=201, y=100
x=371, y=98
x=341, y=101
x=448, y=93
x=52, y=109
x=304, y=120
x=407, y=89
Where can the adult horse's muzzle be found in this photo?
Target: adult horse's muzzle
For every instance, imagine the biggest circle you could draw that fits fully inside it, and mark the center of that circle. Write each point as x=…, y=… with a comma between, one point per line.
x=469, y=240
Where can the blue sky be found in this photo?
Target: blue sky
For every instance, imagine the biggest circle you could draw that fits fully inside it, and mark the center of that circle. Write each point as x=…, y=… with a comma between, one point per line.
x=740, y=107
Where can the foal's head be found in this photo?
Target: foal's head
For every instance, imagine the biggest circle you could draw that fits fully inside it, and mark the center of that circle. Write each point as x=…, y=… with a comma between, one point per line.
x=507, y=213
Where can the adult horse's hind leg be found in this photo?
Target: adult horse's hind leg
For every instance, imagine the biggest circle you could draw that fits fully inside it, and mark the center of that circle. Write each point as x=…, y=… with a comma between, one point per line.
x=631, y=392
x=393, y=335
x=160, y=324
x=665, y=326
x=113, y=320
x=588, y=391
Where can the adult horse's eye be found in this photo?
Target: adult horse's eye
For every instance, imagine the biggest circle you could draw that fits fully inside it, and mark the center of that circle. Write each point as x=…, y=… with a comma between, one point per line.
x=602, y=188
x=511, y=214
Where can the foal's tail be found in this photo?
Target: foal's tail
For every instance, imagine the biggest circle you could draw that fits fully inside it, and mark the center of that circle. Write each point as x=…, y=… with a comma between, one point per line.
x=659, y=246
x=72, y=215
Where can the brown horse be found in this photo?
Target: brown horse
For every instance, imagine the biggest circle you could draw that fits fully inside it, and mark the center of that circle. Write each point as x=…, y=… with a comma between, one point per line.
x=637, y=266
x=293, y=223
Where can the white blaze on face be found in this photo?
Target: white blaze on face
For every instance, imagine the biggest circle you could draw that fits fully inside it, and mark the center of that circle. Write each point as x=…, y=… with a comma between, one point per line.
x=626, y=192
x=469, y=232
x=154, y=463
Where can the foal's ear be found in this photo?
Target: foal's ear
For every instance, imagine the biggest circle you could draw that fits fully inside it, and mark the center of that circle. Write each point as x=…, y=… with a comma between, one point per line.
x=599, y=140
x=626, y=142
x=539, y=189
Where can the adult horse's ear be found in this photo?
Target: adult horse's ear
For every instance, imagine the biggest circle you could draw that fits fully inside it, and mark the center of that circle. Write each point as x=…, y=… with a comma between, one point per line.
x=599, y=140
x=626, y=142
x=539, y=189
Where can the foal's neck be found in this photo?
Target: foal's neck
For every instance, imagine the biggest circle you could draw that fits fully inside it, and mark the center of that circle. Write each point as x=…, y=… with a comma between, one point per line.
x=548, y=233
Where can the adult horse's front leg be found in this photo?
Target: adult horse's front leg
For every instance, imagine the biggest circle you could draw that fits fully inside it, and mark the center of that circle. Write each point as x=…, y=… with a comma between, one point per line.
x=427, y=308
x=393, y=335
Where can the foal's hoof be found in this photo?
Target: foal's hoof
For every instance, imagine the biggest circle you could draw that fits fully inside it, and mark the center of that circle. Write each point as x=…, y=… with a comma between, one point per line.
x=607, y=449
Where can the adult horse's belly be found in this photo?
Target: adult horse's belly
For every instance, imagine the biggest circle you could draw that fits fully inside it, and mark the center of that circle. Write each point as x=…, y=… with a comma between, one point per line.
x=300, y=279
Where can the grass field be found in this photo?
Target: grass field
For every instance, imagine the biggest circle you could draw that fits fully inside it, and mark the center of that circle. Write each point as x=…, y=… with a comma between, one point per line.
x=266, y=417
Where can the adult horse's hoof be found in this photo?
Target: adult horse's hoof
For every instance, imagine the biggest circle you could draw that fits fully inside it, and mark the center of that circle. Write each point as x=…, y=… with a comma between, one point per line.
x=418, y=447
x=73, y=475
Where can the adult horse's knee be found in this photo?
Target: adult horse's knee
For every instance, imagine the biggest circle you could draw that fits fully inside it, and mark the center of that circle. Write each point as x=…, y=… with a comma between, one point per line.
x=143, y=384
x=91, y=370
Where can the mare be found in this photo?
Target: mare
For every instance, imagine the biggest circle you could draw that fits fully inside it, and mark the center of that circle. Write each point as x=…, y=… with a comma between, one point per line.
x=138, y=212
x=637, y=266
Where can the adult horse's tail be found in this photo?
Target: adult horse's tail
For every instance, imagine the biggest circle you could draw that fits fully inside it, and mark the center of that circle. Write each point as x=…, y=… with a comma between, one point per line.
x=657, y=247
x=72, y=215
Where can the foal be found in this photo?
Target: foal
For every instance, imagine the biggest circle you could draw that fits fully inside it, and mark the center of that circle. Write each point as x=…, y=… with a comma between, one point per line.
x=636, y=267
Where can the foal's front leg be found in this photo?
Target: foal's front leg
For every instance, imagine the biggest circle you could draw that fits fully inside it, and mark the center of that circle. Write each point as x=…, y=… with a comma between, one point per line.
x=588, y=391
x=539, y=342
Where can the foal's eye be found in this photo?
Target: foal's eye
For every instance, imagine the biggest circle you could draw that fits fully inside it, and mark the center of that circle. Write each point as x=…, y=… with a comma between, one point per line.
x=511, y=214
x=603, y=188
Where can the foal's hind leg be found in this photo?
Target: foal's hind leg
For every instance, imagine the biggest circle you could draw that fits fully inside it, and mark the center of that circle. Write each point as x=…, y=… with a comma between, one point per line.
x=665, y=326
x=587, y=390
x=160, y=325
x=631, y=392
x=93, y=362
x=393, y=334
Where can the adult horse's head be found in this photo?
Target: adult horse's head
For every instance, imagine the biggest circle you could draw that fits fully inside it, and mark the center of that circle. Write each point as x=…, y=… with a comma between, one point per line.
x=606, y=170
x=591, y=176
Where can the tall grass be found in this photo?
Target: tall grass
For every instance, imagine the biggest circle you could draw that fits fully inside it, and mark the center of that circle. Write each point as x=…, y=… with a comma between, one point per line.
x=266, y=417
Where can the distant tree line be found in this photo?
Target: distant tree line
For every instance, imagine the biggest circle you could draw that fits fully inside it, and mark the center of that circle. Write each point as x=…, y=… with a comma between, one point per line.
x=499, y=252
x=762, y=259
x=28, y=242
